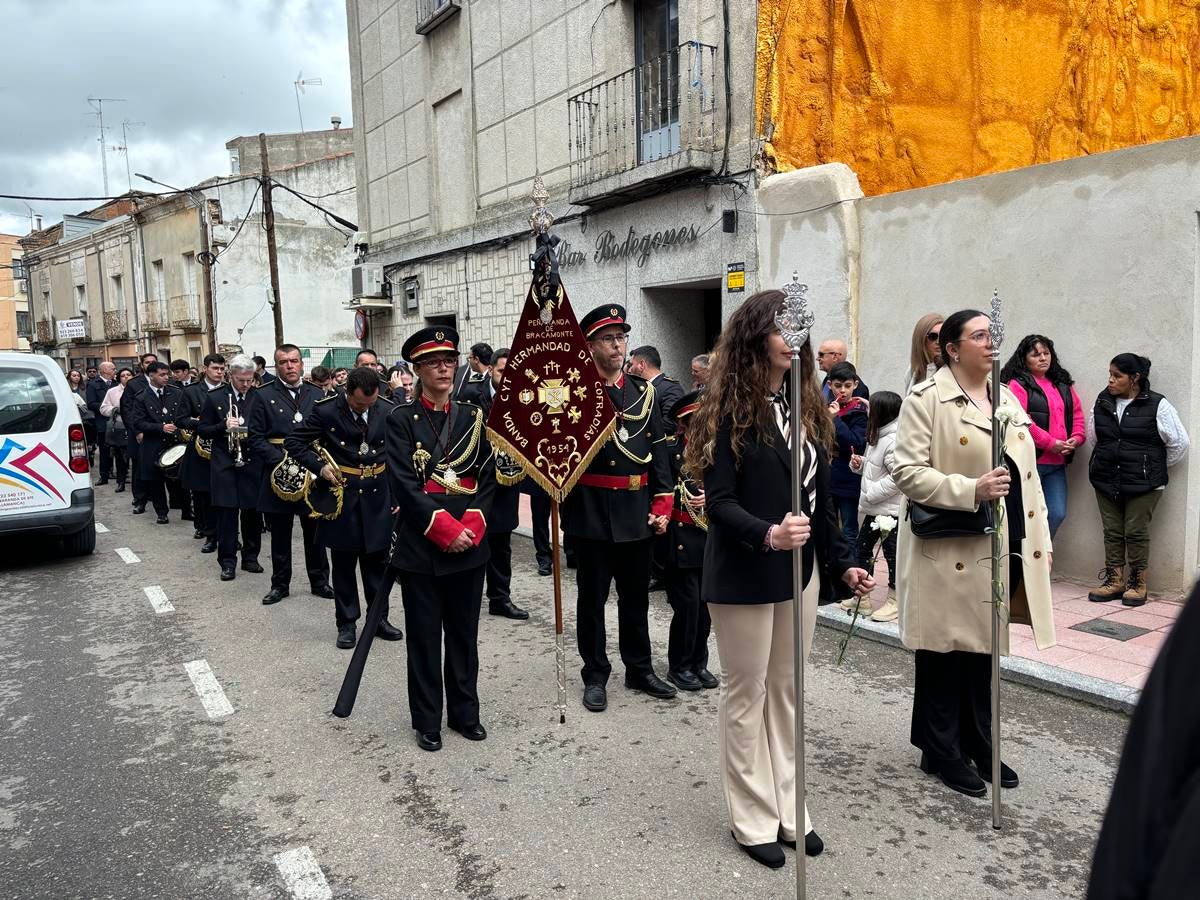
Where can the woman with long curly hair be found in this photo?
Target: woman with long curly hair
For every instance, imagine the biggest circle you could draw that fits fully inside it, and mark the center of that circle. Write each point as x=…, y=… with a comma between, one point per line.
x=739, y=446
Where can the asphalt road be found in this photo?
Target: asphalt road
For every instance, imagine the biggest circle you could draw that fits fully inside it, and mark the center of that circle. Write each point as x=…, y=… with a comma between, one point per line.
x=115, y=782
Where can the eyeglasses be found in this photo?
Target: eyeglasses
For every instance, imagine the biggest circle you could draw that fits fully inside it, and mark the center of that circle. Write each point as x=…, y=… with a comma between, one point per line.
x=441, y=363
x=933, y=335
x=612, y=340
x=979, y=337
x=828, y=353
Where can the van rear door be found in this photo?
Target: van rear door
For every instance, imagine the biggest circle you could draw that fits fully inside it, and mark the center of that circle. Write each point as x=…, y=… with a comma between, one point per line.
x=34, y=444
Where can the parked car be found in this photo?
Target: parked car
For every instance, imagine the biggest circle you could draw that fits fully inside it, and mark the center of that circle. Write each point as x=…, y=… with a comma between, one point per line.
x=45, y=483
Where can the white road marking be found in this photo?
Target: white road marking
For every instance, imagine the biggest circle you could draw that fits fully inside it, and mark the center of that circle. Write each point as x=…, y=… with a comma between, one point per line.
x=158, y=599
x=128, y=555
x=101, y=529
x=216, y=704
x=302, y=875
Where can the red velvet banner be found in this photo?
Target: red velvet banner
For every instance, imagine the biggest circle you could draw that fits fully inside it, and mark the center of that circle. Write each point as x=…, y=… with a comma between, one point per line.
x=551, y=413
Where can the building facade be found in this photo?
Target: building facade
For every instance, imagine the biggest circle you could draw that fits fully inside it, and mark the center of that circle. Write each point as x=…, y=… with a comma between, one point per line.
x=16, y=325
x=633, y=112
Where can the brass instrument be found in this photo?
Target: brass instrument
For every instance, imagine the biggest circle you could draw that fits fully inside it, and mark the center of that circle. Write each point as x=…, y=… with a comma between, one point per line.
x=236, y=435
x=324, y=498
x=289, y=480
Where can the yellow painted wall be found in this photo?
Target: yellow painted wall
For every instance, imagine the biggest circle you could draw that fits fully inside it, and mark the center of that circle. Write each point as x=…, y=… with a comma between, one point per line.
x=916, y=92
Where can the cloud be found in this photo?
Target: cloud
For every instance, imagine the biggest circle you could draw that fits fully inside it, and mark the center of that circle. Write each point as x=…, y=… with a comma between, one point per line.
x=197, y=74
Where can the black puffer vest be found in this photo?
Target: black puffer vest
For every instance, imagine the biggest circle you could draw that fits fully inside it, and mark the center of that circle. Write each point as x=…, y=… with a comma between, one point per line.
x=1130, y=457
x=1039, y=407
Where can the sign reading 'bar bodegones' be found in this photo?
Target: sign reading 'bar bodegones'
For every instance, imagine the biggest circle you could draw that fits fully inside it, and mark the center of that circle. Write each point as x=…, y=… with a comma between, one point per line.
x=637, y=247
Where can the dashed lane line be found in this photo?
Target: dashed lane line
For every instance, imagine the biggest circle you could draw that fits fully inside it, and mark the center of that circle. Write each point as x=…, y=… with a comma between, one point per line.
x=101, y=529
x=158, y=599
x=216, y=704
x=302, y=874
x=128, y=555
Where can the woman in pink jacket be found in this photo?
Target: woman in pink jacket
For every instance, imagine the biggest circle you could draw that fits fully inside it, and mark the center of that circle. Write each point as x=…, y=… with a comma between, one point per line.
x=1044, y=388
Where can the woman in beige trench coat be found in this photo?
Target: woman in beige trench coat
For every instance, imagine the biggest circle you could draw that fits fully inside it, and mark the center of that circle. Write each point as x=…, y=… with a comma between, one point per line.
x=943, y=460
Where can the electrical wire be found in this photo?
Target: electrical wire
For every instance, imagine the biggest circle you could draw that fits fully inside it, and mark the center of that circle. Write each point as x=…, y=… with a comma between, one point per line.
x=238, y=230
x=328, y=213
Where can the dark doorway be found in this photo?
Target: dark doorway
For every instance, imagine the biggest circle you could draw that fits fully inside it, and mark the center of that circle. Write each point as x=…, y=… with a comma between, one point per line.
x=681, y=321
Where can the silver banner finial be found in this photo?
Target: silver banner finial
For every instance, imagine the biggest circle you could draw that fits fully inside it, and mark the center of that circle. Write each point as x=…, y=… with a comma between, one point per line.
x=540, y=219
x=795, y=320
x=996, y=326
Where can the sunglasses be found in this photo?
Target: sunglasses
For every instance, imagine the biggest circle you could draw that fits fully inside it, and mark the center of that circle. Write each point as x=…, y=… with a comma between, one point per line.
x=933, y=335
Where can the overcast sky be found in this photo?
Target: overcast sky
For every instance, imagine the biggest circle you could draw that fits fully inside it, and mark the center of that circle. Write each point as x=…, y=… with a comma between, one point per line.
x=196, y=73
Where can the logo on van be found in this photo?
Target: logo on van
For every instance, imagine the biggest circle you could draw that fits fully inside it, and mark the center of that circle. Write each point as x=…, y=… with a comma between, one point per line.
x=18, y=473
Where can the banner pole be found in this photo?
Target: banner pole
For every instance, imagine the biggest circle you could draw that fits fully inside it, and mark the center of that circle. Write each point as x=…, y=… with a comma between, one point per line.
x=559, y=648
x=996, y=329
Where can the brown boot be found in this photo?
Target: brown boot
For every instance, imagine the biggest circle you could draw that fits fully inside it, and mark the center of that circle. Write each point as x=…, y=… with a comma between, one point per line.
x=1112, y=585
x=1136, y=594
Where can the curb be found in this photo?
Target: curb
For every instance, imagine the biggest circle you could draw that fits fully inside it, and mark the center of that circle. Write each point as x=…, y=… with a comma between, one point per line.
x=1055, y=680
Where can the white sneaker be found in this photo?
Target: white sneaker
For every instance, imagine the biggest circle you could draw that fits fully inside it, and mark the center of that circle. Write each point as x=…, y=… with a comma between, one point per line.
x=889, y=612
x=848, y=604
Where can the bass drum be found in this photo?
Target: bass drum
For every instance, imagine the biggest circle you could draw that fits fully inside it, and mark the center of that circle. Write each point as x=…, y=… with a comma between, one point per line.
x=171, y=459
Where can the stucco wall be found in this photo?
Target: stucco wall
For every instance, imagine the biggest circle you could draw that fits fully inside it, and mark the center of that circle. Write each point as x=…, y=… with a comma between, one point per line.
x=1098, y=253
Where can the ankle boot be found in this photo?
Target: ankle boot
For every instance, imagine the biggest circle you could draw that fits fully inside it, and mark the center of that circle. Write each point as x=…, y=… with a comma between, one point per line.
x=1135, y=594
x=955, y=774
x=1112, y=585
x=769, y=855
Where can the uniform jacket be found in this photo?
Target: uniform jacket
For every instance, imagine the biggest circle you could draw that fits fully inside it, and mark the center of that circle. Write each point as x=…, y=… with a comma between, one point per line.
x=506, y=501
x=195, y=474
x=685, y=537
x=94, y=395
x=232, y=486
x=743, y=502
x=365, y=525
x=619, y=515
x=668, y=392
x=943, y=445
x=272, y=418
x=147, y=415
x=135, y=386
x=433, y=509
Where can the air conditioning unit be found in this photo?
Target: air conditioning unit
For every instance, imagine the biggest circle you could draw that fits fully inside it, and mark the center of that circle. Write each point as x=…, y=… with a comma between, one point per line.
x=367, y=281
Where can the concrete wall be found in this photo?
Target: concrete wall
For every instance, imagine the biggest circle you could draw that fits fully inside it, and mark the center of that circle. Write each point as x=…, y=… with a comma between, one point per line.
x=1099, y=253
x=290, y=149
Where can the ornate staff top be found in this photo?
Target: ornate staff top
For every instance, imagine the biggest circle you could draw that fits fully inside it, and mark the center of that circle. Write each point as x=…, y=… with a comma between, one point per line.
x=795, y=320
x=540, y=219
x=996, y=326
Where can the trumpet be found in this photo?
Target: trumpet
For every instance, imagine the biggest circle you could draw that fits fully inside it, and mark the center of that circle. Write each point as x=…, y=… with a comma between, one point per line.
x=236, y=435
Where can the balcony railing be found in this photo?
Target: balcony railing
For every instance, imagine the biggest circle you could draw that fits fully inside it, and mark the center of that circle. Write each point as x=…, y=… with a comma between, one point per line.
x=184, y=311
x=431, y=13
x=45, y=331
x=116, y=325
x=661, y=110
x=154, y=316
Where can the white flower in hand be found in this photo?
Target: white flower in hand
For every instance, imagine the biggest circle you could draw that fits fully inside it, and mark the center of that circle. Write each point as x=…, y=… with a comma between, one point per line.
x=885, y=525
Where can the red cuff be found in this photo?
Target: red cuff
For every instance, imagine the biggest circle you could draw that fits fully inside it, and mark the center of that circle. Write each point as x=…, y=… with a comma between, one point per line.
x=661, y=504
x=474, y=520
x=443, y=529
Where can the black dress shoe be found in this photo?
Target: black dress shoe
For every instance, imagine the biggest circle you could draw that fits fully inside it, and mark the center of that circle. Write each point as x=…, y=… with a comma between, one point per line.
x=102, y=482
x=474, y=732
x=120, y=489
x=685, y=681
x=595, y=697
x=429, y=740
x=707, y=679
x=210, y=546
x=274, y=595
x=1008, y=778
x=650, y=684
x=656, y=585
x=346, y=636
x=323, y=590
x=813, y=845
x=545, y=569
x=162, y=520
x=251, y=566
x=955, y=774
x=139, y=508
x=769, y=855
x=227, y=573
x=186, y=516
x=386, y=631
x=197, y=534
x=507, y=609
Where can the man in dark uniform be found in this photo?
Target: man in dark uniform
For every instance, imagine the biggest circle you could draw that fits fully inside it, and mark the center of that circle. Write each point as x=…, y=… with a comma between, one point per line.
x=687, y=645
x=505, y=514
x=235, y=470
x=195, y=473
x=133, y=448
x=279, y=407
x=152, y=415
x=178, y=496
x=441, y=472
x=350, y=427
x=468, y=377
x=618, y=504
x=94, y=395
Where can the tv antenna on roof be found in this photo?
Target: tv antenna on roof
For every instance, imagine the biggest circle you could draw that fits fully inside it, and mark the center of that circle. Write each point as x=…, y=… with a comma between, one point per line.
x=299, y=84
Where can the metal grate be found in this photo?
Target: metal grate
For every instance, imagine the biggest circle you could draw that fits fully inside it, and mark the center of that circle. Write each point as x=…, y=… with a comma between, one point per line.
x=1119, y=631
x=431, y=13
x=184, y=311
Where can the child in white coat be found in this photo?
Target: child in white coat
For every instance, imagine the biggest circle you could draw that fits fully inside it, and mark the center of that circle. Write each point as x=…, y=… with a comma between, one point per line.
x=880, y=497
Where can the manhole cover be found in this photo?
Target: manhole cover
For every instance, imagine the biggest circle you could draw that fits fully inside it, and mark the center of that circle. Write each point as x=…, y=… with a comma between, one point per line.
x=1107, y=628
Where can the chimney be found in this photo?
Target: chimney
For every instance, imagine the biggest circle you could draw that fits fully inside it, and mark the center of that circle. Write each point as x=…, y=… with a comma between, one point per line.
x=37, y=222
x=337, y=122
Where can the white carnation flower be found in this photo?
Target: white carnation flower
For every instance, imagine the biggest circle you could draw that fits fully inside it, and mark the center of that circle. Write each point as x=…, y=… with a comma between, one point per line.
x=885, y=525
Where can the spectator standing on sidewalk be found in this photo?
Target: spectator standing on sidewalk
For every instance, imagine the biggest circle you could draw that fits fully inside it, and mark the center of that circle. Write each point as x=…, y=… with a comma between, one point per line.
x=926, y=357
x=1137, y=436
x=849, y=413
x=879, y=497
x=1044, y=389
x=829, y=355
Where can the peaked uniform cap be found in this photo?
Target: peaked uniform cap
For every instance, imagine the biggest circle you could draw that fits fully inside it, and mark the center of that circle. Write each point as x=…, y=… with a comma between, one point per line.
x=434, y=339
x=602, y=317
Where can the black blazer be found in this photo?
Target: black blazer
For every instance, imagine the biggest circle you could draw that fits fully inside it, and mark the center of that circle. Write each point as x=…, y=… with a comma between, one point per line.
x=742, y=503
x=147, y=415
x=272, y=416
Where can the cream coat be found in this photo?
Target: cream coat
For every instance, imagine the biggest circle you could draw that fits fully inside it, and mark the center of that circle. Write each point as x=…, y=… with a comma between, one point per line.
x=944, y=444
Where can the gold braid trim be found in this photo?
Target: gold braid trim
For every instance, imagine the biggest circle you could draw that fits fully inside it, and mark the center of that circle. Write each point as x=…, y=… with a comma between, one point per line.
x=476, y=430
x=557, y=494
x=699, y=519
x=637, y=459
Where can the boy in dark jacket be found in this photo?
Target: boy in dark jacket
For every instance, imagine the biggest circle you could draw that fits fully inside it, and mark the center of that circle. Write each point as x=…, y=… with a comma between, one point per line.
x=850, y=422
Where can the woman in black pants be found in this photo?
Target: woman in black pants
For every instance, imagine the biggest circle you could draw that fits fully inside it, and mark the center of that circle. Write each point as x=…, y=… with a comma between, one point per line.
x=739, y=442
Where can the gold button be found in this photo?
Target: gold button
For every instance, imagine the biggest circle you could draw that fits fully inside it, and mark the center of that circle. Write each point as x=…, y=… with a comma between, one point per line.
x=1028, y=474
x=1020, y=435
x=959, y=566
x=612, y=462
x=1037, y=554
x=1031, y=514
x=961, y=402
x=681, y=546
x=963, y=440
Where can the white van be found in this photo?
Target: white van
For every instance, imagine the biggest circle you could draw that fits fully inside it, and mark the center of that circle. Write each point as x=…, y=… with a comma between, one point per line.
x=45, y=485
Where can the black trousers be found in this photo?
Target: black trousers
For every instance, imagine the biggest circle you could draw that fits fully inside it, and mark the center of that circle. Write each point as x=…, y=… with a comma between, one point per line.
x=539, y=508
x=599, y=564
x=202, y=512
x=120, y=457
x=868, y=537
x=952, y=705
x=155, y=491
x=687, y=644
x=134, y=450
x=437, y=609
x=179, y=497
x=499, y=567
x=227, y=518
x=106, y=465
x=345, y=580
x=316, y=563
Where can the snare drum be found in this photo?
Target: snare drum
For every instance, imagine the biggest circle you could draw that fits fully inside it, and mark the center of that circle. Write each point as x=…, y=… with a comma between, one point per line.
x=170, y=459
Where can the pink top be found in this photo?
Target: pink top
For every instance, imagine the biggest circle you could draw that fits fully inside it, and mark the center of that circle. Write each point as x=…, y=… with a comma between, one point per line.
x=1058, y=420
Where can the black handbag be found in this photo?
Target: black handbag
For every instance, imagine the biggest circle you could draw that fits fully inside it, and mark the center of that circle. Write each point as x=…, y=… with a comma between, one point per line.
x=931, y=523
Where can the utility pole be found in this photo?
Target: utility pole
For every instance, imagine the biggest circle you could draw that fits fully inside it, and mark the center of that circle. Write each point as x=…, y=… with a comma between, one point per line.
x=97, y=103
x=269, y=224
